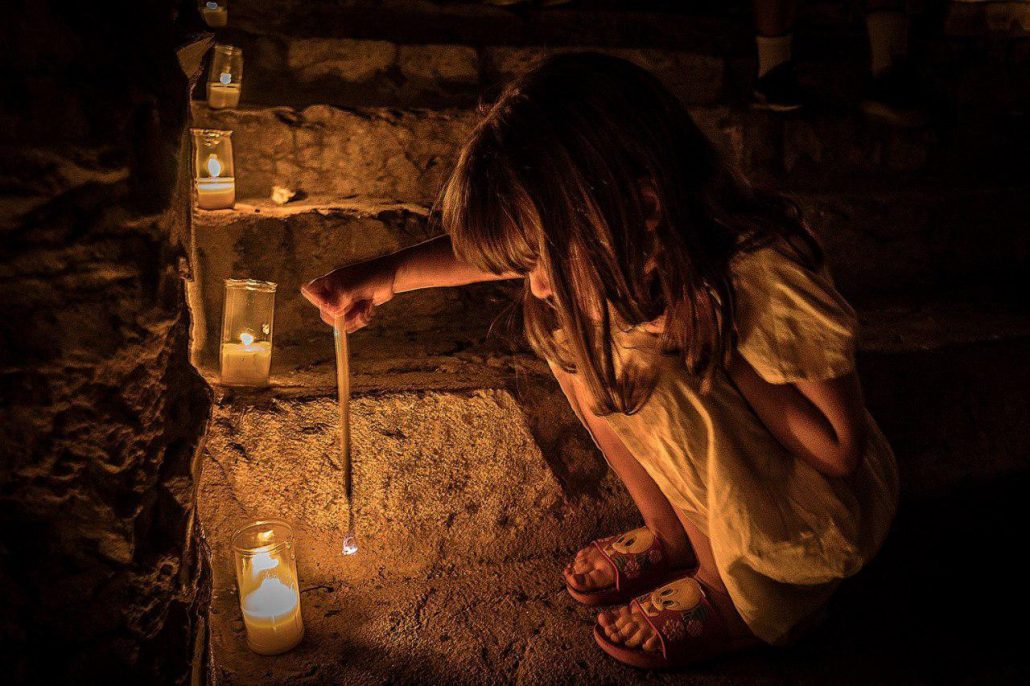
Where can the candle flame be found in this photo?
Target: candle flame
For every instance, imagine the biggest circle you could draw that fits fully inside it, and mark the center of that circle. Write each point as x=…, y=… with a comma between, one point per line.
x=246, y=338
x=263, y=562
x=225, y=78
x=272, y=598
x=214, y=167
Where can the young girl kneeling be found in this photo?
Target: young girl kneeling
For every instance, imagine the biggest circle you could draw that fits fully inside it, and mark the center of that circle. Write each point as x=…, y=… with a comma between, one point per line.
x=693, y=326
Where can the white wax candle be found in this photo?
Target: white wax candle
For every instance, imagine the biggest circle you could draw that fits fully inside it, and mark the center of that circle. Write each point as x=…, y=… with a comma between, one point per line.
x=220, y=95
x=216, y=17
x=246, y=364
x=216, y=194
x=271, y=614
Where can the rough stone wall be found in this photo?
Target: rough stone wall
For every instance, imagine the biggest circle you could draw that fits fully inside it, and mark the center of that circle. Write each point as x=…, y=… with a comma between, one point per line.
x=100, y=411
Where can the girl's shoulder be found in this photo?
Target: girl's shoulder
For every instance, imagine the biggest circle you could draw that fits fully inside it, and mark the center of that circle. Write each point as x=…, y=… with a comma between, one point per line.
x=790, y=320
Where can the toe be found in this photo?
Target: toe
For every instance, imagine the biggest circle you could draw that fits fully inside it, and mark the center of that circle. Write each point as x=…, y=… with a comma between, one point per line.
x=628, y=629
x=595, y=579
x=636, y=639
x=582, y=566
x=652, y=643
x=622, y=616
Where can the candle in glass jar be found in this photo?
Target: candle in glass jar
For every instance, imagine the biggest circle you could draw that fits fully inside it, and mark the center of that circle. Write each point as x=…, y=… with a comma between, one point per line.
x=246, y=363
x=266, y=573
x=215, y=192
x=222, y=95
x=216, y=15
x=271, y=615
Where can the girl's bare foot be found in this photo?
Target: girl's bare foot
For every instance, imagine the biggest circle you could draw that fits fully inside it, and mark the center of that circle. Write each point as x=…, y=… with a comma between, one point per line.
x=589, y=571
x=627, y=626
x=592, y=569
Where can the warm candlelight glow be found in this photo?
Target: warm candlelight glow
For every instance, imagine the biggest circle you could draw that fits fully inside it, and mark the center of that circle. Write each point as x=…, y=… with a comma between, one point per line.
x=215, y=14
x=214, y=167
x=246, y=350
x=225, y=82
x=266, y=573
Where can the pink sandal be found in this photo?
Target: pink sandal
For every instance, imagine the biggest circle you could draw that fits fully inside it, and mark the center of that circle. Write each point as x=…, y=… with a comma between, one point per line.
x=640, y=563
x=689, y=628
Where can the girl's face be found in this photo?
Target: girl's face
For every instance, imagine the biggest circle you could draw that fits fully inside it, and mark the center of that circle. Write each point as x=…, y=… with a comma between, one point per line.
x=539, y=285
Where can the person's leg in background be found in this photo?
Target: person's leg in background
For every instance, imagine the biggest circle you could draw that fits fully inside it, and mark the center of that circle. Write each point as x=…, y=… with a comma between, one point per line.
x=776, y=85
x=894, y=95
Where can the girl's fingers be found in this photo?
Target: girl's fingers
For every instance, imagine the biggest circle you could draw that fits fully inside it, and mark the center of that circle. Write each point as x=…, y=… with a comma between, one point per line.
x=309, y=293
x=359, y=317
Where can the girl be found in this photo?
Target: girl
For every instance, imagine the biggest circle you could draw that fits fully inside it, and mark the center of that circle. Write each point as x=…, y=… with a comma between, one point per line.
x=696, y=333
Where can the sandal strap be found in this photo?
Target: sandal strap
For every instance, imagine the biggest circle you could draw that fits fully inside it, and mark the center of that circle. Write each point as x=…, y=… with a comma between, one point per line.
x=633, y=568
x=676, y=626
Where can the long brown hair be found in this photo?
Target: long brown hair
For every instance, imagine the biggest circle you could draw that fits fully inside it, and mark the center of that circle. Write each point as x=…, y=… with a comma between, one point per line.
x=552, y=176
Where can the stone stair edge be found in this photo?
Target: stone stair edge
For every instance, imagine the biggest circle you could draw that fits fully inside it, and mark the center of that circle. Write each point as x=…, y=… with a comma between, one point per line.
x=894, y=329
x=360, y=206
x=265, y=208
x=478, y=23
x=798, y=143
x=201, y=112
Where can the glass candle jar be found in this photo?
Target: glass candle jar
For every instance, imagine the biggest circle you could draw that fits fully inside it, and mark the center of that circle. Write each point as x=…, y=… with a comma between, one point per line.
x=247, y=317
x=213, y=170
x=214, y=12
x=226, y=77
x=266, y=574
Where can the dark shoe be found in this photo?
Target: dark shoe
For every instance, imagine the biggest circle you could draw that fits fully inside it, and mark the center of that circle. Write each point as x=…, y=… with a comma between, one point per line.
x=777, y=90
x=896, y=97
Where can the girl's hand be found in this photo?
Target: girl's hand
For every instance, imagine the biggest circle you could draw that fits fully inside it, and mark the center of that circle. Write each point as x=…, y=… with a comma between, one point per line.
x=353, y=291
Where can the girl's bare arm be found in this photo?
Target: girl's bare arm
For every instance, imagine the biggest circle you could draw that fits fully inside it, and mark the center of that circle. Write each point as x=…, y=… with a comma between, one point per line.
x=822, y=422
x=433, y=264
x=356, y=290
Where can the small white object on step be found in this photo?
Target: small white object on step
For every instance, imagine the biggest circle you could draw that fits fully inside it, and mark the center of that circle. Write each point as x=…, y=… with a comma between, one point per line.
x=282, y=195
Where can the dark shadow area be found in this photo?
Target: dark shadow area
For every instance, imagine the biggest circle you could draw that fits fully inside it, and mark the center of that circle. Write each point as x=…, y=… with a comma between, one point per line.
x=943, y=601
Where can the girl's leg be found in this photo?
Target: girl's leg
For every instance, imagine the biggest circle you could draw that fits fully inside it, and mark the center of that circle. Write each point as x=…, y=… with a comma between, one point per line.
x=589, y=570
x=624, y=625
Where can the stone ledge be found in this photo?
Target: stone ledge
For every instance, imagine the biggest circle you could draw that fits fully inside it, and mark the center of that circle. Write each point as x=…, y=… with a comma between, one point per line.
x=435, y=471
x=885, y=243
x=295, y=243
x=325, y=150
x=406, y=154
x=639, y=24
x=476, y=23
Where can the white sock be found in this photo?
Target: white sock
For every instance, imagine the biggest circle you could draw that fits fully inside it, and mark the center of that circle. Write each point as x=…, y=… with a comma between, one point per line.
x=772, y=52
x=888, y=38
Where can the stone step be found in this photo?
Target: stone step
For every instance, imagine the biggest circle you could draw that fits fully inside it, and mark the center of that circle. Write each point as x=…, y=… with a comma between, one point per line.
x=293, y=244
x=469, y=501
x=875, y=244
x=513, y=624
x=941, y=376
x=406, y=154
x=703, y=26
x=340, y=59
x=335, y=153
